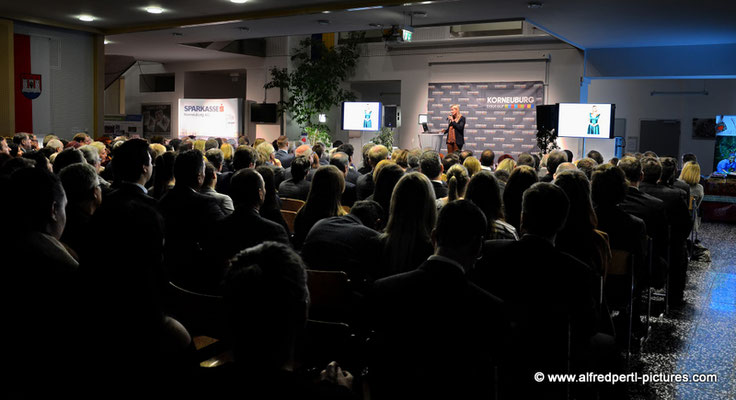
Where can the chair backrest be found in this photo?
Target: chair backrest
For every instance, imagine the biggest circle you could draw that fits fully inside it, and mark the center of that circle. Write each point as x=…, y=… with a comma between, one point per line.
x=289, y=217
x=328, y=288
x=323, y=342
x=201, y=314
x=291, y=204
x=621, y=263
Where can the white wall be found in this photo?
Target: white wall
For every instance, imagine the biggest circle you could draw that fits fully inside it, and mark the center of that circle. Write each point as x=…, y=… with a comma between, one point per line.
x=66, y=104
x=256, y=76
x=412, y=68
x=635, y=103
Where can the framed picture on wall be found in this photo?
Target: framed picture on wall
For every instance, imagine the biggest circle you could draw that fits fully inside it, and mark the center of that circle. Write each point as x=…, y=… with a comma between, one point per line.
x=156, y=119
x=704, y=128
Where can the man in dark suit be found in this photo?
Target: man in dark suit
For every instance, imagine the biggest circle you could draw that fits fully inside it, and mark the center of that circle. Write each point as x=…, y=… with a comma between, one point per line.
x=345, y=243
x=651, y=210
x=554, y=160
x=342, y=162
x=543, y=289
x=282, y=153
x=365, y=183
x=189, y=217
x=680, y=224
x=353, y=173
x=244, y=157
x=437, y=334
x=245, y=227
x=296, y=187
x=430, y=165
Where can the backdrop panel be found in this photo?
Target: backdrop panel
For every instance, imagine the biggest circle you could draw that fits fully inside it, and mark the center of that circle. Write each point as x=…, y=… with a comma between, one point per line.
x=501, y=116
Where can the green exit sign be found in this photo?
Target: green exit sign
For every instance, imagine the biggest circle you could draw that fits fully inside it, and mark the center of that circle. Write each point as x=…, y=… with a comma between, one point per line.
x=406, y=35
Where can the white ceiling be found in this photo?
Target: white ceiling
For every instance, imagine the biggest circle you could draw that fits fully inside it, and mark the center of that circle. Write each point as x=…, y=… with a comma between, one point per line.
x=585, y=24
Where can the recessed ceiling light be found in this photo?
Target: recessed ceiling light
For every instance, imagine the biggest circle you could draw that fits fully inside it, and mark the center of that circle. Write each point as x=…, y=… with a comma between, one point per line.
x=375, y=25
x=108, y=41
x=154, y=10
x=326, y=12
x=86, y=18
x=534, y=4
x=238, y=1
x=419, y=13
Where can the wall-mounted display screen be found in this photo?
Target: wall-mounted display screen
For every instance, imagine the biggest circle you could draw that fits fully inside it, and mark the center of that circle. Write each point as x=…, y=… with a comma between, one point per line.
x=593, y=121
x=724, y=159
x=361, y=116
x=264, y=113
x=205, y=118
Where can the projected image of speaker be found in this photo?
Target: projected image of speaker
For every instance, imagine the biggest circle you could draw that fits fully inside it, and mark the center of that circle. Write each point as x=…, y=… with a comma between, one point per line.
x=392, y=116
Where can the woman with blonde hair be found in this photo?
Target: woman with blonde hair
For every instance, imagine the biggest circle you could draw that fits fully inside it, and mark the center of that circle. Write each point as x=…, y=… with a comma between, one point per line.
x=268, y=153
x=227, y=156
x=406, y=241
x=199, y=144
x=157, y=149
x=457, y=182
x=507, y=165
x=401, y=157
x=323, y=201
x=472, y=164
x=691, y=175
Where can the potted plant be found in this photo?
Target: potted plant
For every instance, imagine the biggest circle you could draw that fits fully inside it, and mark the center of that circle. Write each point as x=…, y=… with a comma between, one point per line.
x=315, y=84
x=385, y=137
x=547, y=141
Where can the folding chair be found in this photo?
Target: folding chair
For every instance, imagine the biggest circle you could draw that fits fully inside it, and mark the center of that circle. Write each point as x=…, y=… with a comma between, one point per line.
x=205, y=318
x=330, y=295
x=621, y=276
x=289, y=217
x=666, y=294
x=650, y=261
x=291, y=204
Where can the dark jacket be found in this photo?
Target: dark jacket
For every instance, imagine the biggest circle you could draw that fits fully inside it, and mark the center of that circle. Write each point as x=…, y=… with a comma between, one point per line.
x=350, y=245
x=429, y=319
x=440, y=189
x=290, y=190
x=459, y=131
x=284, y=157
x=189, y=217
x=365, y=186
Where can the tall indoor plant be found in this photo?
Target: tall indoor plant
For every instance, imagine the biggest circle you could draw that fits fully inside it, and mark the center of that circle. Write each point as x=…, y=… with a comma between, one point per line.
x=315, y=84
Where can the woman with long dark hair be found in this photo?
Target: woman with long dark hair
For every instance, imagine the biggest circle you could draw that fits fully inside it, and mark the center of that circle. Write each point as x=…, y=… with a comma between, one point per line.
x=386, y=180
x=406, y=242
x=483, y=190
x=521, y=179
x=323, y=201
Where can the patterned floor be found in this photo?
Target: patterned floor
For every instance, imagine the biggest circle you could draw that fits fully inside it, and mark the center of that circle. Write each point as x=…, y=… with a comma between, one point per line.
x=700, y=338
